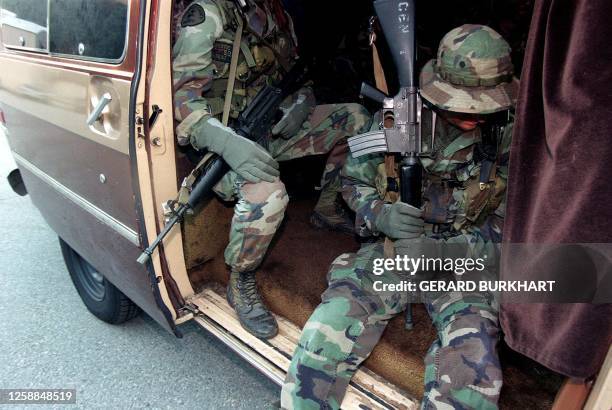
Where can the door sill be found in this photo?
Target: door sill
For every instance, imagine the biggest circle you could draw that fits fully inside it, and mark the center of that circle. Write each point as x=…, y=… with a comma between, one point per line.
x=272, y=357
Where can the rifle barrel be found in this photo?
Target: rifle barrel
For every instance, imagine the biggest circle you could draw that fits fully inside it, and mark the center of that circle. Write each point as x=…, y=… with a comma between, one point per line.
x=145, y=256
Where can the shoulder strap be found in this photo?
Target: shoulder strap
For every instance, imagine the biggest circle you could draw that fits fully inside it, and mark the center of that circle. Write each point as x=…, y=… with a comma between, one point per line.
x=232, y=74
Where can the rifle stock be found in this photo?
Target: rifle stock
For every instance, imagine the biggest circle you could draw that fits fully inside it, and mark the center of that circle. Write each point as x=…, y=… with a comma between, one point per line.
x=397, y=18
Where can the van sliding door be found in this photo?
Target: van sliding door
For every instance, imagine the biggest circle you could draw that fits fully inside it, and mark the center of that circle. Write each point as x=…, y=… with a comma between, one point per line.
x=67, y=88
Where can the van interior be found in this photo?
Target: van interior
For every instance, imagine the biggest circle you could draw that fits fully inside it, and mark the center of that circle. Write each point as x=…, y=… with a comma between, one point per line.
x=292, y=276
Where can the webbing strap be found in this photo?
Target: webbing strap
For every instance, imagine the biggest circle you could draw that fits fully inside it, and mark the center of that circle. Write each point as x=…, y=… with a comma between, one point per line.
x=379, y=73
x=232, y=74
x=381, y=84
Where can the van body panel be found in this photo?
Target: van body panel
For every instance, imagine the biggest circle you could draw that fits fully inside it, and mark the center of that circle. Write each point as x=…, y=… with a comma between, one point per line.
x=84, y=177
x=56, y=94
x=95, y=241
x=75, y=162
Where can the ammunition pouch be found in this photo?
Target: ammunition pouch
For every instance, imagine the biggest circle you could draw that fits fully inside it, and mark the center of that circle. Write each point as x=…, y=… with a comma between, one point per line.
x=443, y=199
x=481, y=202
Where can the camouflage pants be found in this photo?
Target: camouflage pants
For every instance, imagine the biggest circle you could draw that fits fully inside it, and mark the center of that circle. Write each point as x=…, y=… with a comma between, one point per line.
x=462, y=365
x=261, y=206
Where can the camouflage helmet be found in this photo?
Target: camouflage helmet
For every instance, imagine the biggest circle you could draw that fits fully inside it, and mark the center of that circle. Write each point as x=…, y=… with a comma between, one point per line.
x=472, y=74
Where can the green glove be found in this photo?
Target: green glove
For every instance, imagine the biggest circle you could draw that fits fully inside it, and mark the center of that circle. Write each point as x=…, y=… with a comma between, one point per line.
x=294, y=114
x=400, y=221
x=246, y=158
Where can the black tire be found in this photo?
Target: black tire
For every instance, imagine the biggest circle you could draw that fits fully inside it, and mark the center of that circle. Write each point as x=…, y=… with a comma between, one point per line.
x=101, y=297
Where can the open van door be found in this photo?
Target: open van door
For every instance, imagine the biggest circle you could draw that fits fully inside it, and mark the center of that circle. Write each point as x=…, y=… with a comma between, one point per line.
x=72, y=96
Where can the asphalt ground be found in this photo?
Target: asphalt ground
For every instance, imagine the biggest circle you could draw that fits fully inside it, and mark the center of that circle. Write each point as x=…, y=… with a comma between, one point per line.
x=50, y=340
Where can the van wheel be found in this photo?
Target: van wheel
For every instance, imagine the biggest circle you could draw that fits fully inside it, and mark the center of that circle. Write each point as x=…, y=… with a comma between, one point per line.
x=100, y=296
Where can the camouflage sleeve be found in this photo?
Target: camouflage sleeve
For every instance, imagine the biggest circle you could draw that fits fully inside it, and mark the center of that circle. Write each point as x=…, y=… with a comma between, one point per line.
x=190, y=108
x=504, y=151
x=360, y=192
x=201, y=24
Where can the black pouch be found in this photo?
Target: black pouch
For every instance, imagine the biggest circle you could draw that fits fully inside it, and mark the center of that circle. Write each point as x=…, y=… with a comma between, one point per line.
x=437, y=197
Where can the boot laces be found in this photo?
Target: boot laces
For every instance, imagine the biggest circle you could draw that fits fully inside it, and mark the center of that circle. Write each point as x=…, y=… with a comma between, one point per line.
x=248, y=289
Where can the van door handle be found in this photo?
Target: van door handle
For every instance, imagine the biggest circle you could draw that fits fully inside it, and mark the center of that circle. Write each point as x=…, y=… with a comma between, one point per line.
x=97, y=112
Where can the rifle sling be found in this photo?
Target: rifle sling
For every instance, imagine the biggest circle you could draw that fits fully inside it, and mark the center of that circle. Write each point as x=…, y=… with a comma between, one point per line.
x=379, y=73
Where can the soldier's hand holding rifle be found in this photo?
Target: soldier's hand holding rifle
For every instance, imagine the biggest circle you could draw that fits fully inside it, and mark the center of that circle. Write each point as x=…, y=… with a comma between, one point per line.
x=247, y=158
x=400, y=221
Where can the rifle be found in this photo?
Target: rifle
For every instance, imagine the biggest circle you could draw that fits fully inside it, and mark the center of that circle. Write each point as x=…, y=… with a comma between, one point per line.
x=254, y=123
x=401, y=133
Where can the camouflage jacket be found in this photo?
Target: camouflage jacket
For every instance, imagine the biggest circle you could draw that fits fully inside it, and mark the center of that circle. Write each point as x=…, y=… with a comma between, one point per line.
x=454, y=202
x=203, y=50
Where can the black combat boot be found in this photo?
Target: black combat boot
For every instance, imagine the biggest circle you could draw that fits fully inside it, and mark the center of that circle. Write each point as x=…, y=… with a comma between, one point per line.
x=254, y=316
x=330, y=213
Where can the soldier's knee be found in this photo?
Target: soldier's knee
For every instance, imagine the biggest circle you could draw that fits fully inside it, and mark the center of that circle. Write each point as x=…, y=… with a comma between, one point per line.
x=361, y=117
x=330, y=330
x=471, y=327
x=272, y=195
x=357, y=109
x=276, y=194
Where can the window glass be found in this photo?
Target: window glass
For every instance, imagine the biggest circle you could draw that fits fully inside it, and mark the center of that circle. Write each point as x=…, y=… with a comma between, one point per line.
x=94, y=29
x=24, y=23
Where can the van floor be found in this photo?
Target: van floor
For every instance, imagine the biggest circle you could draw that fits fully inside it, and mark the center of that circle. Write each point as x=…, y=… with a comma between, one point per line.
x=292, y=279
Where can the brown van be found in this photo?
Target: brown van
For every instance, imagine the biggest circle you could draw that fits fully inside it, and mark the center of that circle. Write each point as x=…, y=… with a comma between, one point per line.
x=86, y=95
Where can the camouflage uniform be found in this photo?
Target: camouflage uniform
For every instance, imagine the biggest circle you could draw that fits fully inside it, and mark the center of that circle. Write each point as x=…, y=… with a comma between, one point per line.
x=462, y=365
x=202, y=54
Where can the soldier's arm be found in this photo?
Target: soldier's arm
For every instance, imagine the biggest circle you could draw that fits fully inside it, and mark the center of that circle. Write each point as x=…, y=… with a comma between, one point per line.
x=360, y=192
x=493, y=225
x=504, y=152
x=192, y=69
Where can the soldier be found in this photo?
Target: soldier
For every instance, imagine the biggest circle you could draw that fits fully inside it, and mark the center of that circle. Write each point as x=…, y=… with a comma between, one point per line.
x=202, y=69
x=470, y=86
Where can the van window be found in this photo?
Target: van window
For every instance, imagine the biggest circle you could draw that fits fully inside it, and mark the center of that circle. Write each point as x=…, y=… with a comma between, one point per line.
x=89, y=29
x=24, y=23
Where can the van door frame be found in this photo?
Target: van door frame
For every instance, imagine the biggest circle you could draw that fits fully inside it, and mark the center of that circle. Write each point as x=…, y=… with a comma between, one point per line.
x=155, y=157
x=139, y=132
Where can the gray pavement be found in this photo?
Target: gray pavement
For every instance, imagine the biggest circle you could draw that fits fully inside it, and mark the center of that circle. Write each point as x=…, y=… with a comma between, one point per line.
x=50, y=340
